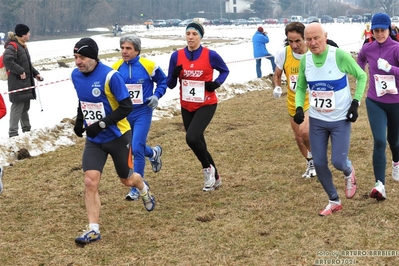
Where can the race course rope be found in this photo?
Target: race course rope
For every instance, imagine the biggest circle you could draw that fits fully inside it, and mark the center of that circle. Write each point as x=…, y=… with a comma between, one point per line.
x=32, y=87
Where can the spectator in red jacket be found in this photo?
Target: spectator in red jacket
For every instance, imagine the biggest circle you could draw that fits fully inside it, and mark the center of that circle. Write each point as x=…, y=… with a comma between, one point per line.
x=3, y=112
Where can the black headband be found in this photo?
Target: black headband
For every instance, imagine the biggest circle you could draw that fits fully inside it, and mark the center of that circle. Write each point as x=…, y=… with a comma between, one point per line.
x=198, y=27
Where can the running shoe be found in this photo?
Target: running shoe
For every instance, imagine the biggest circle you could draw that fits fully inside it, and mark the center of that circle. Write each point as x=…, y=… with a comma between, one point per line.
x=332, y=207
x=350, y=184
x=1, y=178
x=218, y=183
x=134, y=194
x=209, y=178
x=378, y=192
x=148, y=200
x=156, y=162
x=310, y=170
x=395, y=171
x=88, y=236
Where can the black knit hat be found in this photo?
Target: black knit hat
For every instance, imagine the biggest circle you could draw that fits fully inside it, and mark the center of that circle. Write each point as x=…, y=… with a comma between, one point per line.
x=196, y=26
x=86, y=47
x=21, y=29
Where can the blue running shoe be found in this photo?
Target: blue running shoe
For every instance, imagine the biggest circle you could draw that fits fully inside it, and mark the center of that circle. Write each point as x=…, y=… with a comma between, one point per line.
x=87, y=237
x=156, y=162
x=133, y=194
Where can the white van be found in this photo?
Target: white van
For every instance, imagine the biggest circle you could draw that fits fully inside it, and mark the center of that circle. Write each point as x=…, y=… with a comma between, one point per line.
x=200, y=20
x=296, y=19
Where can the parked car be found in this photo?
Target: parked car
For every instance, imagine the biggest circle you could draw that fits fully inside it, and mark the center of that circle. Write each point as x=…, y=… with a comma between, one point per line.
x=240, y=21
x=206, y=22
x=326, y=19
x=159, y=23
x=220, y=21
x=283, y=21
x=311, y=19
x=296, y=18
x=343, y=19
x=200, y=20
x=367, y=17
x=270, y=21
x=357, y=19
x=149, y=22
x=174, y=22
x=395, y=19
x=185, y=22
x=254, y=21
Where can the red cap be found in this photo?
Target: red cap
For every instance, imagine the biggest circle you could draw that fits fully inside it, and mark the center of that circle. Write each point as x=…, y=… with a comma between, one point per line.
x=260, y=29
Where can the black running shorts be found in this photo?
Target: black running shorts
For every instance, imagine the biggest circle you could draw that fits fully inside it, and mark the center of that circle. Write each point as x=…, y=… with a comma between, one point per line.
x=95, y=155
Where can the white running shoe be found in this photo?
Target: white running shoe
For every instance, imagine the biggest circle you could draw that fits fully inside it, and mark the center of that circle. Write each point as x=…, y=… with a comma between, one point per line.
x=209, y=178
x=218, y=183
x=378, y=192
x=148, y=200
x=395, y=171
x=310, y=170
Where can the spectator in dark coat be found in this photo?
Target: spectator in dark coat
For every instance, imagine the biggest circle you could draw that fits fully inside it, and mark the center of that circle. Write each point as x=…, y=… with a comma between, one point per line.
x=21, y=76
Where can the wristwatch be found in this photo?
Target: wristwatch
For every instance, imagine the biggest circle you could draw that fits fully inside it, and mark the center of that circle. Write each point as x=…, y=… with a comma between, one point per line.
x=102, y=124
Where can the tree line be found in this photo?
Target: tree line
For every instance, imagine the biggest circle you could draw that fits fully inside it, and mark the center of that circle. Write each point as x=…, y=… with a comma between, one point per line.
x=69, y=17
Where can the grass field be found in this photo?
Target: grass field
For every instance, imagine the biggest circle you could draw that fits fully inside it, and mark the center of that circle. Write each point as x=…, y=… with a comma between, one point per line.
x=265, y=213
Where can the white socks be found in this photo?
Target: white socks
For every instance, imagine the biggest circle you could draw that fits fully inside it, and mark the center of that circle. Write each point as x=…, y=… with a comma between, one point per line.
x=145, y=189
x=95, y=227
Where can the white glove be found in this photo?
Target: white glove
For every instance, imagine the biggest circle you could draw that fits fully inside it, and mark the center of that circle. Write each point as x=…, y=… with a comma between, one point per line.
x=152, y=101
x=277, y=92
x=384, y=65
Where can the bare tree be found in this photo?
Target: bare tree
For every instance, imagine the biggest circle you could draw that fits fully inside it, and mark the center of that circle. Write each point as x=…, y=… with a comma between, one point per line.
x=388, y=6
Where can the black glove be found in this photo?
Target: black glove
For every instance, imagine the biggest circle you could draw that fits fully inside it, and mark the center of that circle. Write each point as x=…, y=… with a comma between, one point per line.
x=211, y=86
x=78, y=128
x=299, y=115
x=176, y=71
x=352, y=115
x=93, y=130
